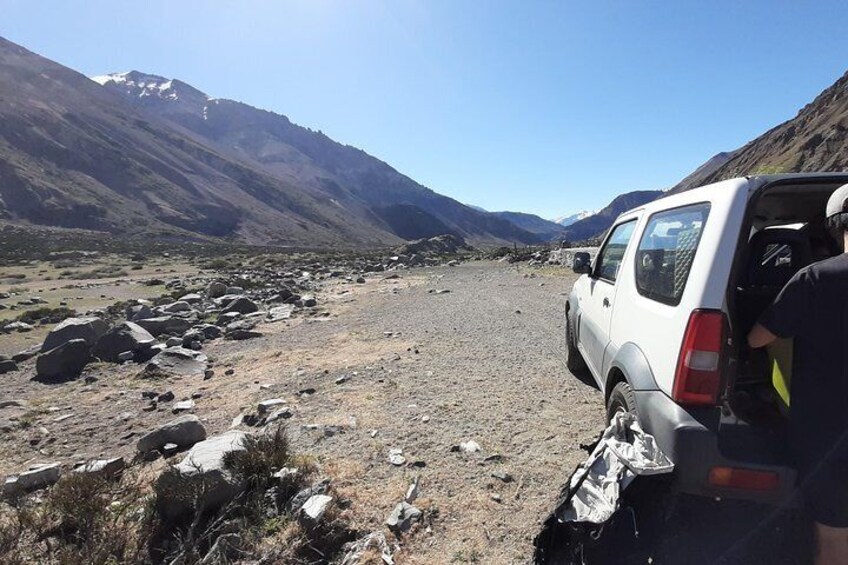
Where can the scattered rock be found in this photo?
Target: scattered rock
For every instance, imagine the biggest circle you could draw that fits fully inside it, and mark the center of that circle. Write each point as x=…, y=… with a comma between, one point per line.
x=216, y=289
x=64, y=361
x=184, y=431
x=315, y=507
x=7, y=366
x=403, y=517
x=165, y=325
x=469, y=446
x=396, y=457
x=179, y=361
x=41, y=476
x=165, y=396
x=175, y=307
x=127, y=336
x=87, y=329
x=26, y=354
x=201, y=479
x=268, y=405
x=20, y=327
x=411, y=492
x=502, y=476
x=278, y=313
x=183, y=406
x=106, y=468
x=242, y=305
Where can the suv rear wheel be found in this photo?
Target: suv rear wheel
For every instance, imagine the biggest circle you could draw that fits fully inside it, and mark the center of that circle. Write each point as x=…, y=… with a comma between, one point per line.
x=621, y=399
x=574, y=360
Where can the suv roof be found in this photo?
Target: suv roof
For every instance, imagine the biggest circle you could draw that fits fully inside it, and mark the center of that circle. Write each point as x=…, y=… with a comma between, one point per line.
x=726, y=188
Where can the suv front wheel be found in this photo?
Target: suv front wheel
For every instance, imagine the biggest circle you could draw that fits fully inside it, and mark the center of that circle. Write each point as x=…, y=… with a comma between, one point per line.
x=621, y=399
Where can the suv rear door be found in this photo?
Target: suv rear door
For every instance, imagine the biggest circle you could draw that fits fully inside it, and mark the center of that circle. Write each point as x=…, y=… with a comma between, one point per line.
x=596, y=307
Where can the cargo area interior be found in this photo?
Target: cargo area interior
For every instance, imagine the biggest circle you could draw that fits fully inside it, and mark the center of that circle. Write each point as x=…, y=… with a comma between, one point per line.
x=787, y=233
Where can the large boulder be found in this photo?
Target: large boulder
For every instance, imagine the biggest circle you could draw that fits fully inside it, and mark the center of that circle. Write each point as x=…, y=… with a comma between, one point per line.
x=242, y=305
x=127, y=336
x=179, y=361
x=88, y=329
x=7, y=365
x=184, y=431
x=216, y=289
x=63, y=362
x=165, y=324
x=201, y=481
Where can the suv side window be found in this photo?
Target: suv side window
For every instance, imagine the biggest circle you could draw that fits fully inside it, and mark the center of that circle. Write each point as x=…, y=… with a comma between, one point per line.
x=609, y=259
x=667, y=250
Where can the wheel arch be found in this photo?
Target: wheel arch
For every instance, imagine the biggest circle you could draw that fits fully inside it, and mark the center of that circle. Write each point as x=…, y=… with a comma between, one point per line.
x=631, y=366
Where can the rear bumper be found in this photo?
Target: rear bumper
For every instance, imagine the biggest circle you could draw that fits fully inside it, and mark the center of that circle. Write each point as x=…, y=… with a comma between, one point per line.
x=691, y=439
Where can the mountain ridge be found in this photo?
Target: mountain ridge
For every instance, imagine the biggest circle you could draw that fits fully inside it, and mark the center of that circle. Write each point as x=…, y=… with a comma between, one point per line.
x=74, y=153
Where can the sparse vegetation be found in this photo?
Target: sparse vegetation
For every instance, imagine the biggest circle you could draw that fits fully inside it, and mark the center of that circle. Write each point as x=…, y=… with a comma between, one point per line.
x=88, y=519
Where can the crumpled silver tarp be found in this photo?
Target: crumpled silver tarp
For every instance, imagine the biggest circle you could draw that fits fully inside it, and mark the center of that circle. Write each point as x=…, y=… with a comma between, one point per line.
x=623, y=452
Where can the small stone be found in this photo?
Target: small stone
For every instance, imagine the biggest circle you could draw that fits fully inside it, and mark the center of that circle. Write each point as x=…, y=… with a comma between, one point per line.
x=268, y=405
x=469, y=446
x=41, y=476
x=502, y=476
x=183, y=406
x=316, y=506
x=411, y=492
x=208, y=374
x=403, y=517
x=166, y=396
x=425, y=419
x=341, y=380
x=126, y=356
x=396, y=458
x=496, y=497
x=107, y=468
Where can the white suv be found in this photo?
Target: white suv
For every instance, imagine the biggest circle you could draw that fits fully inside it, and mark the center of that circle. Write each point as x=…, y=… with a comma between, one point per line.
x=659, y=320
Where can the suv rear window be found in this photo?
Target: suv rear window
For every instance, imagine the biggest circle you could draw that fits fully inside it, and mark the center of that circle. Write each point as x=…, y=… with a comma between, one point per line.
x=666, y=252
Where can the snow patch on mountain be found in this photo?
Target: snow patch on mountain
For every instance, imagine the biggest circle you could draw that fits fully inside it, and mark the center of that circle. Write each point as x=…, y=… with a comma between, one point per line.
x=144, y=85
x=566, y=221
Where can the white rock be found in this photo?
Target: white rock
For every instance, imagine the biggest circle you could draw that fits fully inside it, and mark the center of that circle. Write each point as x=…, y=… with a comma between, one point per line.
x=267, y=405
x=469, y=446
x=316, y=506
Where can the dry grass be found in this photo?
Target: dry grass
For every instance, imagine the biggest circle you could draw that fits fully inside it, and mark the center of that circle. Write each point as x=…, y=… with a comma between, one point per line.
x=83, y=519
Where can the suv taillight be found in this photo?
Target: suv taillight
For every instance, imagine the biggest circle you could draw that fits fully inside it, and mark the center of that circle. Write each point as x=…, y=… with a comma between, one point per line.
x=697, y=381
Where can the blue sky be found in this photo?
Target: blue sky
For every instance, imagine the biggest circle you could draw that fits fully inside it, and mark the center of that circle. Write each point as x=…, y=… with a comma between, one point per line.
x=544, y=107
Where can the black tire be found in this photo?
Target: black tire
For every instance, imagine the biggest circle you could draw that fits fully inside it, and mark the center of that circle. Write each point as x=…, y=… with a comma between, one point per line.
x=621, y=399
x=574, y=360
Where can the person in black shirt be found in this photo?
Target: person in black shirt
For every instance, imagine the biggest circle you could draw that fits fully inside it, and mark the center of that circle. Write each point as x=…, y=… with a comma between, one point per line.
x=813, y=309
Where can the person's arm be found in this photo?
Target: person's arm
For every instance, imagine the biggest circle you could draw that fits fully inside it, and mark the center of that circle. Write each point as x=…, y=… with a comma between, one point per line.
x=784, y=318
x=760, y=336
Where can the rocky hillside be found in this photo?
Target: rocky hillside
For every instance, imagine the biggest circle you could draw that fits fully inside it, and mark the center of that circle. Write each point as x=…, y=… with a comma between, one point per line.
x=346, y=176
x=159, y=158
x=596, y=225
x=532, y=223
x=814, y=140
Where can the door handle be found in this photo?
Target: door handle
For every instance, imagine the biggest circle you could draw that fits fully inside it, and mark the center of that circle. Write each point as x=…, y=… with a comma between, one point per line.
x=606, y=302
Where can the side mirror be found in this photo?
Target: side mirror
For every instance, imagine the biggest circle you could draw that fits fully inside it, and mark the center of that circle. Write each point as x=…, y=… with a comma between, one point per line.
x=582, y=263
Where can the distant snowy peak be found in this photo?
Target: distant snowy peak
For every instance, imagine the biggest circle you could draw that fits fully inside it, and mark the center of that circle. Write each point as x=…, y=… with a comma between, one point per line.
x=566, y=221
x=154, y=89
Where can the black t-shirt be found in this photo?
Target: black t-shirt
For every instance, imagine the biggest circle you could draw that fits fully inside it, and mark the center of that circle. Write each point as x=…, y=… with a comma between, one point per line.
x=813, y=309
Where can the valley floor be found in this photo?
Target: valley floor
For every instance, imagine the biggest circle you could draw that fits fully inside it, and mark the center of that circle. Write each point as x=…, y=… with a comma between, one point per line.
x=483, y=362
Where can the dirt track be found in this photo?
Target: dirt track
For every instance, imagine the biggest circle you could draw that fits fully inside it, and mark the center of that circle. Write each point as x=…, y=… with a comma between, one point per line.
x=483, y=362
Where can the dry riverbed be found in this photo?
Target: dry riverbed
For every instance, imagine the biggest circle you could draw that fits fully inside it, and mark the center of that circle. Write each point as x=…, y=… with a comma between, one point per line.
x=414, y=366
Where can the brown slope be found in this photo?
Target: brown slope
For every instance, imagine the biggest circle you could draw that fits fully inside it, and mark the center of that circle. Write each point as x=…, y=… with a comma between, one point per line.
x=74, y=154
x=357, y=181
x=814, y=140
